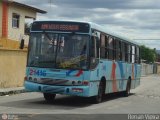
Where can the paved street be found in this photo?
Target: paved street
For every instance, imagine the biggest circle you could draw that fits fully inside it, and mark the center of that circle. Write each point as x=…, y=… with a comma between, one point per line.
x=144, y=99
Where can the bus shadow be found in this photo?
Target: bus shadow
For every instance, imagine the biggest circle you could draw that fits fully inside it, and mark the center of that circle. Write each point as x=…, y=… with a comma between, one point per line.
x=74, y=101
x=113, y=96
x=61, y=102
x=71, y=101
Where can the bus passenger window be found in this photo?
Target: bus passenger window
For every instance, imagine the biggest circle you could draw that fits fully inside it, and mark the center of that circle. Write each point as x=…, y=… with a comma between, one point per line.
x=95, y=47
x=137, y=58
x=94, y=52
x=133, y=54
x=123, y=51
x=110, y=48
x=120, y=51
x=129, y=53
x=117, y=50
x=126, y=52
x=102, y=46
x=106, y=47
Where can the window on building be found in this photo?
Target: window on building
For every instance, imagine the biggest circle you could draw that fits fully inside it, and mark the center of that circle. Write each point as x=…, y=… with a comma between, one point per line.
x=15, y=20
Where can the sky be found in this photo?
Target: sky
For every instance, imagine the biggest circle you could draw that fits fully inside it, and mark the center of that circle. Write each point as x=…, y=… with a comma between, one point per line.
x=135, y=19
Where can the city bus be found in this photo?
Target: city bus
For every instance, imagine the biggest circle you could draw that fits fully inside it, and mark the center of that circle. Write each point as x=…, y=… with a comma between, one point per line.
x=80, y=59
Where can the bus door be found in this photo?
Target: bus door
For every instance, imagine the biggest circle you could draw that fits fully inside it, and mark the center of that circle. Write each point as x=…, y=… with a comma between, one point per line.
x=95, y=51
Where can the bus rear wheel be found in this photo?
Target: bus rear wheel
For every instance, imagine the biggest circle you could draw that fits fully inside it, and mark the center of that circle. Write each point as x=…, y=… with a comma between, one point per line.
x=49, y=97
x=128, y=88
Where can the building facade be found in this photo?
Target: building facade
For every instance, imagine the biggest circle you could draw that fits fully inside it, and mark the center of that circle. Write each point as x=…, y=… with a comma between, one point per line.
x=12, y=21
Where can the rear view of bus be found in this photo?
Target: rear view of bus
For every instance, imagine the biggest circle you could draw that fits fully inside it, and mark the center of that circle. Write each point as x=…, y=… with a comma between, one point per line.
x=65, y=58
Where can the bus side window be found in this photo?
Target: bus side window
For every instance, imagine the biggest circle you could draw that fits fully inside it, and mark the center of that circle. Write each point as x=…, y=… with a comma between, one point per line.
x=133, y=54
x=126, y=52
x=114, y=49
x=129, y=53
x=95, y=47
x=94, y=52
x=102, y=46
x=120, y=50
x=123, y=51
x=106, y=47
x=110, y=48
x=117, y=49
x=139, y=54
x=137, y=58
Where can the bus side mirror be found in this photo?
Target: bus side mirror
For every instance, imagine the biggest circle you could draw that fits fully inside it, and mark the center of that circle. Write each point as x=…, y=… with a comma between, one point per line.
x=21, y=44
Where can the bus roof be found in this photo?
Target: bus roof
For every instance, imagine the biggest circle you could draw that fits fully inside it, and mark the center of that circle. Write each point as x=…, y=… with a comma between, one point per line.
x=99, y=28
x=111, y=32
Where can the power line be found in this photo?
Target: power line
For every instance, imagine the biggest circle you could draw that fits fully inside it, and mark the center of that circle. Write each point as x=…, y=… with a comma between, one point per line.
x=146, y=39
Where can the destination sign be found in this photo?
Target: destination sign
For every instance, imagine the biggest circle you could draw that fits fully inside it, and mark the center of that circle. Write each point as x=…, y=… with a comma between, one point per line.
x=60, y=26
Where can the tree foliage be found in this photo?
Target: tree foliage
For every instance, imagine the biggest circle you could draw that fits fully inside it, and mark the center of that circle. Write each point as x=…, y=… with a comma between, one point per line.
x=148, y=54
x=27, y=28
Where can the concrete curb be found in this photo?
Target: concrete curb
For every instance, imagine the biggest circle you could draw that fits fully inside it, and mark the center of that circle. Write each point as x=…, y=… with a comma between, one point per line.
x=8, y=91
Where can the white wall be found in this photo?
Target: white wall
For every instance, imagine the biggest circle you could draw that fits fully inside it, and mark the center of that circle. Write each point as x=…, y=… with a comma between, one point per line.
x=18, y=33
x=146, y=69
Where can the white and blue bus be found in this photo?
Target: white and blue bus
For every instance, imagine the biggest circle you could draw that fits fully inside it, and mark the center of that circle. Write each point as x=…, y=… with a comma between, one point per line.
x=80, y=59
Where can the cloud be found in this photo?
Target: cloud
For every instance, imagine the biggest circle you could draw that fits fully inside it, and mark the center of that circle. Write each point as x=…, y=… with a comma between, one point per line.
x=131, y=18
x=89, y=4
x=111, y=4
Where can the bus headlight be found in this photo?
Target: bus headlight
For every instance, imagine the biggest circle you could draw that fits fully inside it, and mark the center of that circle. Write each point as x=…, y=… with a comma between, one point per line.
x=35, y=79
x=73, y=82
x=30, y=78
x=79, y=82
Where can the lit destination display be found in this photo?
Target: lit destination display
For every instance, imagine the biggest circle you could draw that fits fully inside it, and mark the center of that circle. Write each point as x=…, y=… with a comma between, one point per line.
x=60, y=26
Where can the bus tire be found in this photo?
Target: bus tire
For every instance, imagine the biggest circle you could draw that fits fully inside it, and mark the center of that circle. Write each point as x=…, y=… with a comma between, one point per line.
x=49, y=97
x=128, y=88
x=98, y=98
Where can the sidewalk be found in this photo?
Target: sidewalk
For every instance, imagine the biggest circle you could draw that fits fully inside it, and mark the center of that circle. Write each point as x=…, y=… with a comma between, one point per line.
x=7, y=91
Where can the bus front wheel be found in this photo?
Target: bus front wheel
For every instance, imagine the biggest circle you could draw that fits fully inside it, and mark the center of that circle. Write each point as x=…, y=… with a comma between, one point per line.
x=98, y=98
x=49, y=97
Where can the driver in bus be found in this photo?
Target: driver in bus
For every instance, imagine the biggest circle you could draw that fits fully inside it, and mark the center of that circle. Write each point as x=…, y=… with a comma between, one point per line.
x=61, y=44
x=83, y=52
x=51, y=46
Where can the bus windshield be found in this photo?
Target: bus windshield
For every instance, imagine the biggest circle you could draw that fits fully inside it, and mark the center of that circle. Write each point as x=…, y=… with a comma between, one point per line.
x=58, y=50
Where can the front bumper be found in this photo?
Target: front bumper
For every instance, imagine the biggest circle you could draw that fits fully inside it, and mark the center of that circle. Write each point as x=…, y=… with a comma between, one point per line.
x=67, y=90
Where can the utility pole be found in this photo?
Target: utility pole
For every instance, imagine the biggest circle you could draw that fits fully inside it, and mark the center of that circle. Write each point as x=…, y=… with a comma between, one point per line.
x=50, y=2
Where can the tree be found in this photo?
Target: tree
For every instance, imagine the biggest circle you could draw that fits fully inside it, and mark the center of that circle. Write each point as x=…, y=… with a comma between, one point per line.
x=27, y=28
x=148, y=54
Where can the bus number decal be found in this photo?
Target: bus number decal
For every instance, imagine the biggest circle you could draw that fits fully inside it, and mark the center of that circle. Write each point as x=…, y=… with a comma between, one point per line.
x=37, y=72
